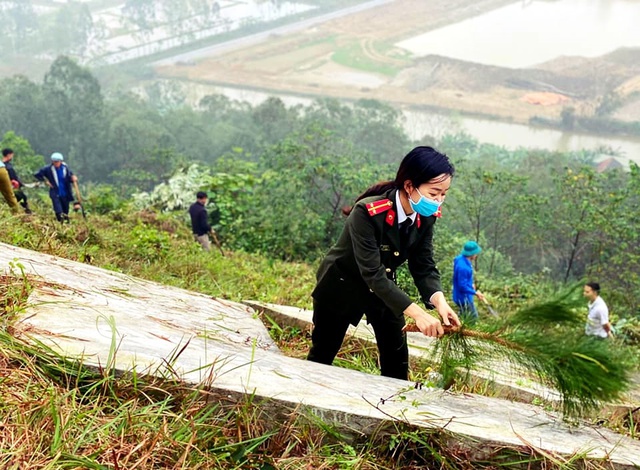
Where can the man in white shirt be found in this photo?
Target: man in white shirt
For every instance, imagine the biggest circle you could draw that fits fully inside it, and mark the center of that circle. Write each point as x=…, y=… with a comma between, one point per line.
x=598, y=319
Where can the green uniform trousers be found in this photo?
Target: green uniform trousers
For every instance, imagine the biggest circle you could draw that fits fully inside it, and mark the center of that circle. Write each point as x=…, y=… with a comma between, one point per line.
x=7, y=190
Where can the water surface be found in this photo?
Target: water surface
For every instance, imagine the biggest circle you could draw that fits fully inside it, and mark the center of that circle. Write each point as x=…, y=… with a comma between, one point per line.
x=527, y=33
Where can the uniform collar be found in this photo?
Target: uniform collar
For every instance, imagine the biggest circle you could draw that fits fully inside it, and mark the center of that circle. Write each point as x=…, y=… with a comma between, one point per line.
x=402, y=216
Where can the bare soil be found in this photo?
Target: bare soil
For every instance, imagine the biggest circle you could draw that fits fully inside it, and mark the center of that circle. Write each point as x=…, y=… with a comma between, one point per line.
x=353, y=57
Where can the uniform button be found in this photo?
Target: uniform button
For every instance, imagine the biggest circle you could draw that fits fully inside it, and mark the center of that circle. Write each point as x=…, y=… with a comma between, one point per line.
x=388, y=270
x=396, y=253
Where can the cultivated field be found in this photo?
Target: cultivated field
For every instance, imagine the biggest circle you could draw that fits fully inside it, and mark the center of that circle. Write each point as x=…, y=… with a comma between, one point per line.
x=355, y=57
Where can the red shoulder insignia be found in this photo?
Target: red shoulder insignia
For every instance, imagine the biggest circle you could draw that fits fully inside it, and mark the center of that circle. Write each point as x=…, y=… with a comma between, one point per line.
x=379, y=207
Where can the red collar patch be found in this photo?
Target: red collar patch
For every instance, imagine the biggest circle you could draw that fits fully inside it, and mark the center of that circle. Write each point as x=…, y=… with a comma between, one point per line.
x=391, y=217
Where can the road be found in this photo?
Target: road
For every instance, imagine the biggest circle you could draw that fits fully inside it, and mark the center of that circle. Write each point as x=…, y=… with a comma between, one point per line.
x=257, y=38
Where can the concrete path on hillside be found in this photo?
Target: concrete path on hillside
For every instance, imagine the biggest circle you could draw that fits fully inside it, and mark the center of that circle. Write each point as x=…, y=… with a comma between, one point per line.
x=88, y=314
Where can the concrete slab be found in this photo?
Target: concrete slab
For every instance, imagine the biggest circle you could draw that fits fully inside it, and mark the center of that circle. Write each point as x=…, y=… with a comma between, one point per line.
x=507, y=381
x=82, y=311
x=505, y=378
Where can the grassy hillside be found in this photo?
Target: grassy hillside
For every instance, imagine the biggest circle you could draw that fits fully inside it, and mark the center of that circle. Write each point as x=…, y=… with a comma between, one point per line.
x=158, y=247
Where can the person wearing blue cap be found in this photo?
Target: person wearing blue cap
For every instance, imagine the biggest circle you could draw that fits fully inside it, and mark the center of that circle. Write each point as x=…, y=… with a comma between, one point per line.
x=59, y=178
x=463, y=287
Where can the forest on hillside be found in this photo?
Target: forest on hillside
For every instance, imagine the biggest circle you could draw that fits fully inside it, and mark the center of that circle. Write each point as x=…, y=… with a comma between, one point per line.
x=278, y=177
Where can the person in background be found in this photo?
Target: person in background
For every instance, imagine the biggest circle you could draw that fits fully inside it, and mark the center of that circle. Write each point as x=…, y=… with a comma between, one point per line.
x=6, y=188
x=598, y=319
x=200, y=221
x=463, y=287
x=390, y=223
x=21, y=197
x=59, y=178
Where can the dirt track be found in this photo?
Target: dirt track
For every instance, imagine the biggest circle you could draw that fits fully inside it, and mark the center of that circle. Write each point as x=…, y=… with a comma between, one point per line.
x=354, y=57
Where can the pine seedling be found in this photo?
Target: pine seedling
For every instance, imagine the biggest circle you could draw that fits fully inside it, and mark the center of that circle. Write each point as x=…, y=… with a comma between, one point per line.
x=546, y=341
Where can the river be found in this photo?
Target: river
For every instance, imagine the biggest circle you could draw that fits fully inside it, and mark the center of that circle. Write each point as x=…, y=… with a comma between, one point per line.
x=417, y=124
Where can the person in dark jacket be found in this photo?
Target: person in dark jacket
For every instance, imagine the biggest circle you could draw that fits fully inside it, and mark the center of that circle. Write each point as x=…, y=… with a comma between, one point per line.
x=21, y=197
x=464, y=289
x=391, y=222
x=59, y=178
x=200, y=220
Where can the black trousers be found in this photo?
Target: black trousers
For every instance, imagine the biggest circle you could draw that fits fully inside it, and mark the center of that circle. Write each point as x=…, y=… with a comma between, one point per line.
x=22, y=199
x=330, y=326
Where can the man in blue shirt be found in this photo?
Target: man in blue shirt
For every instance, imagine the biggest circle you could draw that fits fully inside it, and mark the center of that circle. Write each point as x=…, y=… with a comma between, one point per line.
x=59, y=179
x=463, y=287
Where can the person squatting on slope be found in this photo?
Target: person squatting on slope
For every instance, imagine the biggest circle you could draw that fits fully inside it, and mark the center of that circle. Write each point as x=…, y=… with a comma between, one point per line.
x=390, y=223
x=59, y=178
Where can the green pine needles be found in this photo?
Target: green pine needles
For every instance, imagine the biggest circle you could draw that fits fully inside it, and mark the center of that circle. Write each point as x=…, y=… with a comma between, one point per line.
x=547, y=341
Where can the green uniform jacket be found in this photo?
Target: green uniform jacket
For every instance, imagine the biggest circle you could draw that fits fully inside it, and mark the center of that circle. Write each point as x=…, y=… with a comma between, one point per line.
x=358, y=273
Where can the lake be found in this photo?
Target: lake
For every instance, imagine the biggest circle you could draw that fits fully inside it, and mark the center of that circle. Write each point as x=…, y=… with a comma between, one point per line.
x=527, y=33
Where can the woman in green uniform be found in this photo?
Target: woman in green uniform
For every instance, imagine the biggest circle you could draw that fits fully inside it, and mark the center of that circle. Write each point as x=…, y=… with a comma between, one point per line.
x=390, y=223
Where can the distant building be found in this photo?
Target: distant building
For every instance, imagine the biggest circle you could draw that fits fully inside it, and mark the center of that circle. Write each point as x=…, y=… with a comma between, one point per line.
x=609, y=164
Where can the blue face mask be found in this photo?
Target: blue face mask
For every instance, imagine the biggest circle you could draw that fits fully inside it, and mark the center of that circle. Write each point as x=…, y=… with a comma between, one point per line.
x=425, y=207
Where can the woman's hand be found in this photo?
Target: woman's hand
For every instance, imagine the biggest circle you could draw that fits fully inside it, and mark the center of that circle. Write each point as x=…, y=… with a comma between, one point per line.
x=427, y=324
x=449, y=317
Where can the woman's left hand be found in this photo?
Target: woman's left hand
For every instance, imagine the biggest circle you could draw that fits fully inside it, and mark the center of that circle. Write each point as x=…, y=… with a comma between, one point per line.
x=449, y=317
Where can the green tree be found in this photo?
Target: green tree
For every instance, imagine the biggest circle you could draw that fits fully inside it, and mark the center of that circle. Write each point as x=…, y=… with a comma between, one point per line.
x=25, y=160
x=570, y=219
x=373, y=127
x=615, y=259
x=76, y=115
x=143, y=171
x=487, y=206
x=274, y=120
x=293, y=211
x=19, y=23
x=24, y=110
x=71, y=29
x=132, y=133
